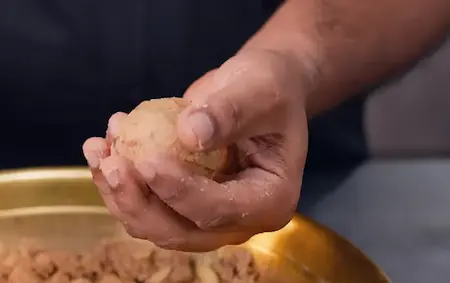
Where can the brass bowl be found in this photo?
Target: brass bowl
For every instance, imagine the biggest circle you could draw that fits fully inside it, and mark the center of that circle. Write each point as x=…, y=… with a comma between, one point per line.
x=61, y=208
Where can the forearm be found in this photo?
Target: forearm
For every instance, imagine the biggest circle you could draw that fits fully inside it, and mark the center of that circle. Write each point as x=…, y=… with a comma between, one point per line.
x=349, y=44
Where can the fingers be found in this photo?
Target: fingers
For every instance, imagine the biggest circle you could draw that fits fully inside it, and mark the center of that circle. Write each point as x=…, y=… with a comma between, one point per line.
x=229, y=103
x=94, y=150
x=231, y=206
x=113, y=125
x=173, y=186
x=201, y=87
x=142, y=214
x=124, y=197
x=145, y=216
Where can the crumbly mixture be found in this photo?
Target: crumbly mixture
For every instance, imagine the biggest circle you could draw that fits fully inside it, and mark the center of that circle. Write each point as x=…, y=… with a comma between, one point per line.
x=126, y=262
x=152, y=128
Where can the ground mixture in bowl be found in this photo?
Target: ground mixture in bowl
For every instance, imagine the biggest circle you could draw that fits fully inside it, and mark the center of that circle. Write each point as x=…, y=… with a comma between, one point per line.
x=117, y=261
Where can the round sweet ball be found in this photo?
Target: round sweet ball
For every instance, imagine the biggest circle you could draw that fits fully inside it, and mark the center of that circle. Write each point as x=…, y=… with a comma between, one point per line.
x=151, y=128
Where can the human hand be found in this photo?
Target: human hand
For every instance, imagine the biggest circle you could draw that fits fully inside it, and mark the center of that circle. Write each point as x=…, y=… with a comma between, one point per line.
x=256, y=100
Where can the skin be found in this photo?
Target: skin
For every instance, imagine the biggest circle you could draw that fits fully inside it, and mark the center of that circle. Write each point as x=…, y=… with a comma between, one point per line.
x=310, y=56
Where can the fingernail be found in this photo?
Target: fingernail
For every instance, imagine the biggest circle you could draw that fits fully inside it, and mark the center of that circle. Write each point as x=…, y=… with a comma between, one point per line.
x=92, y=159
x=113, y=178
x=202, y=127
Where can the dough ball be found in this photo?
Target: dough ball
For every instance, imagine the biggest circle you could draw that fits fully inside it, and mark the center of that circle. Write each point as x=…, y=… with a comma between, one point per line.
x=151, y=128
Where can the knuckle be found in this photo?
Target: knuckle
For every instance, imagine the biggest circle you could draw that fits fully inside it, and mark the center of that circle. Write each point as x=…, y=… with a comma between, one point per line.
x=276, y=207
x=240, y=239
x=283, y=215
x=114, y=211
x=279, y=223
x=126, y=206
x=211, y=223
x=223, y=216
x=133, y=231
x=230, y=113
x=171, y=243
x=173, y=195
x=101, y=186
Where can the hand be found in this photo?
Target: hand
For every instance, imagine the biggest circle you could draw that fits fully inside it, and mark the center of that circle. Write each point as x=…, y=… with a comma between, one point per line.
x=256, y=100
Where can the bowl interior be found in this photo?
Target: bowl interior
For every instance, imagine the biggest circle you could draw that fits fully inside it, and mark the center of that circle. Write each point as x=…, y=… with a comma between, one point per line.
x=61, y=208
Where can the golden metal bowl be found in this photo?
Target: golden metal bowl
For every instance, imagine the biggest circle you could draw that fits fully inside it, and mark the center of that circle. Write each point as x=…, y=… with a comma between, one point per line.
x=61, y=208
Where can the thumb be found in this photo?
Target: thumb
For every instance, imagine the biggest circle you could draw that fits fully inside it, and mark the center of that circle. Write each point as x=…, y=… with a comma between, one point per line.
x=219, y=116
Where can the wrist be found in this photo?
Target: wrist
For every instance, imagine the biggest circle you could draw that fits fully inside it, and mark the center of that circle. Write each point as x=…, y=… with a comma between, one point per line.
x=295, y=30
x=302, y=59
